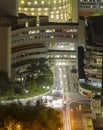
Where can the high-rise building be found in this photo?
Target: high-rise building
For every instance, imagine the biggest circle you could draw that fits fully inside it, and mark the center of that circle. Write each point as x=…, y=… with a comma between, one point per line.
x=28, y=40
x=56, y=10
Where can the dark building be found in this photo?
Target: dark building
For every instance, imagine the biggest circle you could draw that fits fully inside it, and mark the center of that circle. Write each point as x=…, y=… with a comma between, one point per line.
x=94, y=35
x=81, y=73
x=95, y=30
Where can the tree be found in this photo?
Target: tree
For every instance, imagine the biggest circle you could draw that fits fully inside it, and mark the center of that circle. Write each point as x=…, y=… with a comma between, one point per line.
x=4, y=80
x=9, y=123
x=39, y=70
x=37, y=117
x=54, y=119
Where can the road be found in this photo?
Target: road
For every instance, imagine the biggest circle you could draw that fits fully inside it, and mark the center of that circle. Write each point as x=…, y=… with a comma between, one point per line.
x=63, y=93
x=64, y=88
x=76, y=120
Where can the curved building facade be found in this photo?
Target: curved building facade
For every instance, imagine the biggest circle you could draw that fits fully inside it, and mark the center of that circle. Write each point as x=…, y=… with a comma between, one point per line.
x=44, y=41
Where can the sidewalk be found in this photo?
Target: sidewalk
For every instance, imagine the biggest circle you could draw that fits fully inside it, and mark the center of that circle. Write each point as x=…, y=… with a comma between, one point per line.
x=87, y=123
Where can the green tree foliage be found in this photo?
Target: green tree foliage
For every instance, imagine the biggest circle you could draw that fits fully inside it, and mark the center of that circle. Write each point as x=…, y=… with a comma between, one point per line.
x=6, y=87
x=39, y=70
x=90, y=87
x=38, y=73
x=4, y=81
x=21, y=117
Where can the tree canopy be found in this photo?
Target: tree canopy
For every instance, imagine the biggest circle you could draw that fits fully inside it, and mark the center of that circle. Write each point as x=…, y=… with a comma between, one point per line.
x=27, y=117
x=39, y=70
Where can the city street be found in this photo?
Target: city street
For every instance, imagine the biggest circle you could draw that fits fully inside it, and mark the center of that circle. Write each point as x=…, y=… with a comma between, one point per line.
x=63, y=92
x=51, y=55
x=63, y=88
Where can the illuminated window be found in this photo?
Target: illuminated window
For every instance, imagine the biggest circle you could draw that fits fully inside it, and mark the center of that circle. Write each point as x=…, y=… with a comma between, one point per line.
x=73, y=56
x=62, y=18
x=54, y=1
x=57, y=11
x=35, y=2
x=22, y=2
x=39, y=9
x=29, y=3
x=59, y=1
x=46, y=13
x=32, y=13
x=32, y=9
x=46, y=9
x=19, y=8
x=27, y=24
x=52, y=12
x=57, y=16
x=42, y=2
x=39, y=13
x=25, y=9
x=54, y=8
x=52, y=16
x=91, y=6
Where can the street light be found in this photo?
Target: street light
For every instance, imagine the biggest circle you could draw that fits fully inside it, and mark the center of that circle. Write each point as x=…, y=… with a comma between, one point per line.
x=18, y=127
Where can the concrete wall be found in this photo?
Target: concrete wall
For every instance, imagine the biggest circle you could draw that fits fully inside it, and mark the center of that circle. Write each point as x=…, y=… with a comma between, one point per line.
x=9, y=7
x=5, y=49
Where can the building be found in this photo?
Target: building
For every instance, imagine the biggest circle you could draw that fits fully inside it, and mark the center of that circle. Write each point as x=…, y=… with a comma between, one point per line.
x=93, y=51
x=5, y=49
x=10, y=7
x=90, y=7
x=56, y=10
x=43, y=41
x=28, y=41
x=39, y=29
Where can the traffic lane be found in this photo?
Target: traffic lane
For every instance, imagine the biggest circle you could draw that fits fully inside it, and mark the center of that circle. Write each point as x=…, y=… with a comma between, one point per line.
x=76, y=120
x=60, y=75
